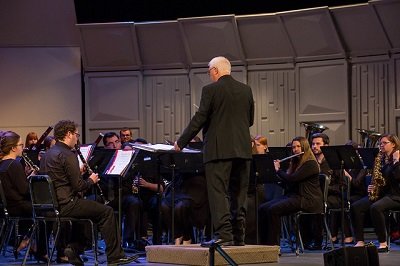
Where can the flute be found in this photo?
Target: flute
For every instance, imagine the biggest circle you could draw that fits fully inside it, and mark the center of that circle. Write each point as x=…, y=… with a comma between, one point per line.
x=291, y=156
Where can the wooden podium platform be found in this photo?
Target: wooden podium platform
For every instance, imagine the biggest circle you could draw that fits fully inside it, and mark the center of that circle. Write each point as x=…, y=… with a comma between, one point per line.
x=196, y=255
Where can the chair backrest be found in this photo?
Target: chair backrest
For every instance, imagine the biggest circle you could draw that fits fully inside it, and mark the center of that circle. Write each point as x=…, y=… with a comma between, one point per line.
x=44, y=201
x=3, y=202
x=324, y=182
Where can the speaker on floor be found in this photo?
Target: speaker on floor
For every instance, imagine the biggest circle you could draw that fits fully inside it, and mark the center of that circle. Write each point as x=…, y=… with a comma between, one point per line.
x=351, y=256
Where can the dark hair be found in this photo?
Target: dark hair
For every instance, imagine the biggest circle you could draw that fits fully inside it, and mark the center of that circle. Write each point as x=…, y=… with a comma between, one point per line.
x=30, y=136
x=296, y=162
x=47, y=142
x=324, y=137
x=141, y=141
x=8, y=140
x=62, y=128
x=109, y=135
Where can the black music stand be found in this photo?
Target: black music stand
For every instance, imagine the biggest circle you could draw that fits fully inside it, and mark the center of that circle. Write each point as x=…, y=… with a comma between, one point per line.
x=169, y=162
x=368, y=156
x=340, y=158
x=277, y=153
x=262, y=171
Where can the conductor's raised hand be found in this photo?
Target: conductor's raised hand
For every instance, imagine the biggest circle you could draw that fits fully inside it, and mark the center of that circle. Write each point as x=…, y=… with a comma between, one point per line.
x=176, y=147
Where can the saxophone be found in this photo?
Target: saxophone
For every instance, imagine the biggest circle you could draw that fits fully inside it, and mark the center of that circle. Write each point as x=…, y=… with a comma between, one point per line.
x=378, y=181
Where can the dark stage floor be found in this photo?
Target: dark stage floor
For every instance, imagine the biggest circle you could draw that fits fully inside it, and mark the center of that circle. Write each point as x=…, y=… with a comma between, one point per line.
x=309, y=258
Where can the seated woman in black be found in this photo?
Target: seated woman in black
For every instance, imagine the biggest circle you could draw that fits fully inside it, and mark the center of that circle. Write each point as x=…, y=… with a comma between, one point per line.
x=302, y=192
x=383, y=193
x=16, y=186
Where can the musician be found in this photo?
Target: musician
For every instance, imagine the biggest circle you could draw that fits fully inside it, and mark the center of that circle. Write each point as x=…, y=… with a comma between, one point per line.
x=61, y=164
x=302, y=192
x=190, y=205
x=126, y=135
x=384, y=192
x=16, y=188
x=136, y=207
x=226, y=108
x=334, y=196
x=31, y=139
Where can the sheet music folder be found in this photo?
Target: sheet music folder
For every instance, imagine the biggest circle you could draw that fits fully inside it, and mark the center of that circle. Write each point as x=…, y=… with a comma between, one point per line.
x=342, y=157
x=119, y=163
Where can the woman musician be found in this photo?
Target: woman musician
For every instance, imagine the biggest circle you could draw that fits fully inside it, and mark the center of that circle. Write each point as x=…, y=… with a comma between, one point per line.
x=383, y=192
x=16, y=188
x=303, y=192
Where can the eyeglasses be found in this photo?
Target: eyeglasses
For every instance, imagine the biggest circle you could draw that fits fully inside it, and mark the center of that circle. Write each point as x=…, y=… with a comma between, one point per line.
x=209, y=70
x=77, y=134
x=383, y=143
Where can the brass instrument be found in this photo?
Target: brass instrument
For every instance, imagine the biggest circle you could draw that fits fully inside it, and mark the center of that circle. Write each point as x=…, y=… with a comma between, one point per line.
x=33, y=167
x=90, y=171
x=312, y=128
x=369, y=138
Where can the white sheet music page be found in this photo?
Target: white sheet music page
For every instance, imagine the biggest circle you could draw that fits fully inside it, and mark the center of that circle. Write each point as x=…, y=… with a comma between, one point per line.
x=120, y=162
x=161, y=147
x=86, y=150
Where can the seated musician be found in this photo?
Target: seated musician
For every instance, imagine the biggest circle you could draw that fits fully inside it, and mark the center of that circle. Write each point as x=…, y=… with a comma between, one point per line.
x=135, y=207
x=302, y=192
x=383, y=192
x=191, y=208
x=16, y=189
x=31, y=139
x=333, y=201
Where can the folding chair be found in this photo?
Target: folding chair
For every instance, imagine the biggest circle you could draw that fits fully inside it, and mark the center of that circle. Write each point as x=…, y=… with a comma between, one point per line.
x=46, y=209
x=324, y=183
x=9, y=223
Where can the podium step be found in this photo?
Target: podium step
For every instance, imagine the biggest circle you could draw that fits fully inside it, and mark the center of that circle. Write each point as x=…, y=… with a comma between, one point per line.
x=196, y=255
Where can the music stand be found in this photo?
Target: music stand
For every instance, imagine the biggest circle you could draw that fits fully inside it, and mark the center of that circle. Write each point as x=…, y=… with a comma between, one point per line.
x=340, y=158
x=368, y=156
x=263, y=169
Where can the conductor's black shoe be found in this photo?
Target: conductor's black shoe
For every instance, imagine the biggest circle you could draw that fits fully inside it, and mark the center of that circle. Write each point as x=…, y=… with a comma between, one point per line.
x=122, y=261
x=219, y=241
x=73, y=257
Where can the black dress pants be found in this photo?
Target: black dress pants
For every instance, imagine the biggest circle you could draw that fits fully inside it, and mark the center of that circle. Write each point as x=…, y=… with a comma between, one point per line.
x=227, y=185
x=103, y=216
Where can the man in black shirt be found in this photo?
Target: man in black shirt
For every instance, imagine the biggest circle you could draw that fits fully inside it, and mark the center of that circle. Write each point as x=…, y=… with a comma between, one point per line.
x=61, y=164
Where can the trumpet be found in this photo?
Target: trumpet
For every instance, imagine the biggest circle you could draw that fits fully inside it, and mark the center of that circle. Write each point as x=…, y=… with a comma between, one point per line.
x=33, y=167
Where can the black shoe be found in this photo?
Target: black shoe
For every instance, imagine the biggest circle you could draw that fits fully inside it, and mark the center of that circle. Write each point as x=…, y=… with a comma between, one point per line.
x=219, y=241
x=121, y=261
x=383, y=250
x=73, y=257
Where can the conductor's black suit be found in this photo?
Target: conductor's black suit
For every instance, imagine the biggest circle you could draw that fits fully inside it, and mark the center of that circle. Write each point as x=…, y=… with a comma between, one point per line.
x=226, y=112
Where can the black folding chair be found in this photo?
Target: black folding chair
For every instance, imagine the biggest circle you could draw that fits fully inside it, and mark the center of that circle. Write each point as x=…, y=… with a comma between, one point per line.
x=324, y=183
x=9, y=223
x=46, y=209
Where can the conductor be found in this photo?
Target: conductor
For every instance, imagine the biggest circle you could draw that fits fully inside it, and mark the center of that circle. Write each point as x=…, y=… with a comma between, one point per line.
x=226, y=108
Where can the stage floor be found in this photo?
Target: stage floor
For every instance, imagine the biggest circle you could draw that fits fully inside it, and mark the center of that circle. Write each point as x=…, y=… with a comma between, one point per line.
x=309, y=258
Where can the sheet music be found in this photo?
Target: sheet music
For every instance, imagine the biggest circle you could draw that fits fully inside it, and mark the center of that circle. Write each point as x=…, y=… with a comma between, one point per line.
x=161, y=147
x=119, y=162
x=86, y=150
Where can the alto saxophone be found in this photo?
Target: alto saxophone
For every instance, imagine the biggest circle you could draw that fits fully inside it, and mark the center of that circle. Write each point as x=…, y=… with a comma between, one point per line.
x=135, y=184
x=378, y=181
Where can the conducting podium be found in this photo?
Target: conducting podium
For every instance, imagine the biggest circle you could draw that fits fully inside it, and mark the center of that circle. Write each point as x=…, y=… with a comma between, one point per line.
x=166, y=162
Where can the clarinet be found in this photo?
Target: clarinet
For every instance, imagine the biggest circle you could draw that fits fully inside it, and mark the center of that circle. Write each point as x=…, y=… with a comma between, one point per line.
x=33, y=167
x=90, y=171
